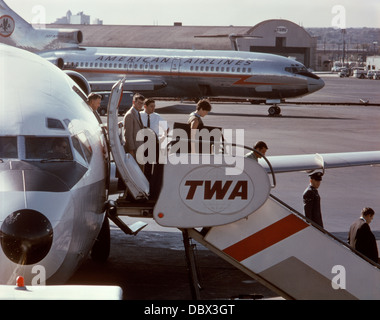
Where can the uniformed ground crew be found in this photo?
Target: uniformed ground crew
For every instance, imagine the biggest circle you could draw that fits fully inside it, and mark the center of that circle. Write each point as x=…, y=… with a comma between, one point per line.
x=312, y=200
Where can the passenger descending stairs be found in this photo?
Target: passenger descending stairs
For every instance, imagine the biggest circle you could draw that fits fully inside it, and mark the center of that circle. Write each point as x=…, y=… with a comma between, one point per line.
x=292, y=256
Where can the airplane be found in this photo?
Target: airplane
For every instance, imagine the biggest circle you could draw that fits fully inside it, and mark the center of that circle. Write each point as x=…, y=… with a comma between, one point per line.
x=56, y=177
x=166, y=72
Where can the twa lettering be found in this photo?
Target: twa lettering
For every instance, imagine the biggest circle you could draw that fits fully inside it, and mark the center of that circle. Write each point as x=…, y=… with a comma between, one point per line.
x=210, y=188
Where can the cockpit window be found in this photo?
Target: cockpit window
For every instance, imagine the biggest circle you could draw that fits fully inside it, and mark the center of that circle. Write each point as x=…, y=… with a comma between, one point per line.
x=8, y=147
x=48, y=148
x=301, y=70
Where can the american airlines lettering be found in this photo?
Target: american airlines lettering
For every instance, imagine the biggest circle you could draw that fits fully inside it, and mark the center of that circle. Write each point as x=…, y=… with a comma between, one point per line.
x=210, y=61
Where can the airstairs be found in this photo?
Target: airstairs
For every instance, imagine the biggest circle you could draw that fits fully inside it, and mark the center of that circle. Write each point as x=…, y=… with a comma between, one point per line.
x=292, y=256
x=236, y=217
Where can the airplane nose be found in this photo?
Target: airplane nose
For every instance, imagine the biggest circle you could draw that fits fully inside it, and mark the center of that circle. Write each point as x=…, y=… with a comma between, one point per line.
x=26, y=236
x=315, y=84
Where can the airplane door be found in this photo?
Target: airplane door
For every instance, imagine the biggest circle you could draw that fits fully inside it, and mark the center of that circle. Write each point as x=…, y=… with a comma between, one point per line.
x=175, y=66
x=127, y=166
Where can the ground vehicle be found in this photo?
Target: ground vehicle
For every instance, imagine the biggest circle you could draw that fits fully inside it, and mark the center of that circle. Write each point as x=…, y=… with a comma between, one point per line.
x=374, y=74
x=345, y=72
x=125, y=104
x=370, y=74
x=360, y=73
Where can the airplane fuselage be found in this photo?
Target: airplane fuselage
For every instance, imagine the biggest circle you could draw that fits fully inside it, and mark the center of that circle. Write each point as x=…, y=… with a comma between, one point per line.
x=51, y=199
x=193, y=73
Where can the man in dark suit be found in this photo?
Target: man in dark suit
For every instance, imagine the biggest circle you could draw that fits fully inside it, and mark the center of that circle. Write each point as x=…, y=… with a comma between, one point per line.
x=312, y=200
x=361, y=237
x=132, y=124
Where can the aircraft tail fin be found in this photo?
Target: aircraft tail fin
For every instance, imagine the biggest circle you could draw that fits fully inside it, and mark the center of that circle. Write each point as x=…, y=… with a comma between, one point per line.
x=17, y=32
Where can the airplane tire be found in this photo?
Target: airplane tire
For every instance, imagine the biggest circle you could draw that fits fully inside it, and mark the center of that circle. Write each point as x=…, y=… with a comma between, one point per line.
x=101, y=248
x=274, y=111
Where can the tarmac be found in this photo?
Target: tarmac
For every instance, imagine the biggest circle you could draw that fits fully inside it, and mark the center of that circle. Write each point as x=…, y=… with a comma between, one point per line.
x=152, y=266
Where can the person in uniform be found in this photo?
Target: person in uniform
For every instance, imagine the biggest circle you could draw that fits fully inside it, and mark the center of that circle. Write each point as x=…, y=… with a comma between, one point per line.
x=312, y=200
x=361, y=237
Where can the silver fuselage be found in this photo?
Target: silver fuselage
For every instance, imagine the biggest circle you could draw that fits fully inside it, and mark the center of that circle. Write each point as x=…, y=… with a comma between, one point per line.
x=51, y=208
x=192, y=73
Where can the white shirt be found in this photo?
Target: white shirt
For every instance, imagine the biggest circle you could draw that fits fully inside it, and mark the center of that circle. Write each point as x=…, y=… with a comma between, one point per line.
x=156, y=123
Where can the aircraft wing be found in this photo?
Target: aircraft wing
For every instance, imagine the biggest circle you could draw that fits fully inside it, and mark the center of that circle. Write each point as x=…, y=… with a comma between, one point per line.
x=130, y=85
x=311, y=162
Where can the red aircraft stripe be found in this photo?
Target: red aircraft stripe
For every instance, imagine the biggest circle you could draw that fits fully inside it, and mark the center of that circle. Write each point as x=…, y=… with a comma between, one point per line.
x=266, y=237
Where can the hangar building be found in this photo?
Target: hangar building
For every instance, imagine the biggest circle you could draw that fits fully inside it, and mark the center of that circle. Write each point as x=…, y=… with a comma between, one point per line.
x=278, y=36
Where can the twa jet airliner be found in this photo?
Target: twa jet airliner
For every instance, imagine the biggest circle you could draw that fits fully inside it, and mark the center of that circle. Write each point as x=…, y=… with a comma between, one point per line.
x=165, y=72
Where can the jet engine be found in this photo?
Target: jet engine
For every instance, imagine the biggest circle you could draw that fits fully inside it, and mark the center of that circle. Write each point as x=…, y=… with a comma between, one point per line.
x=70, y=36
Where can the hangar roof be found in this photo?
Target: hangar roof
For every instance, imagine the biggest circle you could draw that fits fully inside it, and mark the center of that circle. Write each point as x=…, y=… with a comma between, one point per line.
x=175, y=37
x=184, y=37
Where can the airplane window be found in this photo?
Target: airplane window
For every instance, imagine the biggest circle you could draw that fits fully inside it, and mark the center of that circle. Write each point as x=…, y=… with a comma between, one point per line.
x=244, y=70
x=206, y=68
x=238, y=70
x=217, y=69
x=222, y=69
x=48, y=148
x=100, y=65
x=91, y=64
x=54, y=124
x=85, y=145
x=196, y=68
x=79, y=154
x=202, y=68
x=8, y=147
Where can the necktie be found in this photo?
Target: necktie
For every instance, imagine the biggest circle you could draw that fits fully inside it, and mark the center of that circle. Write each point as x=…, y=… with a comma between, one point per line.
x=148, y=124
x=140, y=119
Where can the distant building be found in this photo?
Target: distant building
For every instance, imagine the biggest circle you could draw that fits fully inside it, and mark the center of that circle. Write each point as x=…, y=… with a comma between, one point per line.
x=79, y=18
x=373, y=63
x=316, y=50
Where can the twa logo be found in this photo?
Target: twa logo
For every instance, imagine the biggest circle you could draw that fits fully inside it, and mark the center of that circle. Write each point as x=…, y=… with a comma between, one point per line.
x=218, y=189
x=208, y=190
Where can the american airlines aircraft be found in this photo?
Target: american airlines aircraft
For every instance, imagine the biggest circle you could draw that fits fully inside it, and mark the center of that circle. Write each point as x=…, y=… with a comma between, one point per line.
x=165, y=72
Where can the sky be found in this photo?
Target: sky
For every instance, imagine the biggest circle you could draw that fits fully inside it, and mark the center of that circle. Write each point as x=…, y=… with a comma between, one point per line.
x=307, y=13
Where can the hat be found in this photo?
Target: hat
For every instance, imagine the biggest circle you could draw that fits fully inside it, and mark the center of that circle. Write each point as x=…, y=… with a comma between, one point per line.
x=316, y=176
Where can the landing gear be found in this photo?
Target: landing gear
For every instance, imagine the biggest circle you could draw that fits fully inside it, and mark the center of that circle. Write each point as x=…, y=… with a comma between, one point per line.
x=274, y=111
